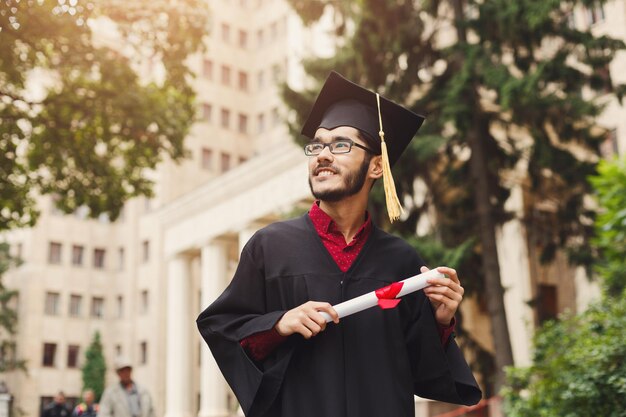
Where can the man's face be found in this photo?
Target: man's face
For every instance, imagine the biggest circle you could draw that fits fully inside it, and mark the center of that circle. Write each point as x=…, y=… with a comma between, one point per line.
x=334, y=177
x=59, y=399
x=88, y=397
x=125, y=375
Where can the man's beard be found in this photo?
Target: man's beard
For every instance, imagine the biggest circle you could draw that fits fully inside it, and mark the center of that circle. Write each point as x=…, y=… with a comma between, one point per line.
x=352, y=184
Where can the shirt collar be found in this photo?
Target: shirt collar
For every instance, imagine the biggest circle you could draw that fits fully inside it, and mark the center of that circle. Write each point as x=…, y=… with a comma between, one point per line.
x=324, y=224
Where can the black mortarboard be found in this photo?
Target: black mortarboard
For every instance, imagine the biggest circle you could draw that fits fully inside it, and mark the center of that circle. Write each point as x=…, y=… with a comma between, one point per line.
x=344, y=103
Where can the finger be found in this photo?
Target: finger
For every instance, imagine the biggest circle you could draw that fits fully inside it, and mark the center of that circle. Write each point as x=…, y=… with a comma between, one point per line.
x=312, y=326
x=328, y=309
x=445, y=282
x=446, y=291
x=450, y=273
x=304, y=331
x=424, y=269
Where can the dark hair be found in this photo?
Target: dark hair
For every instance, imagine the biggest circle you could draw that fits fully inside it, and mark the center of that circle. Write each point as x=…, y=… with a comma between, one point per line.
x=372, y=143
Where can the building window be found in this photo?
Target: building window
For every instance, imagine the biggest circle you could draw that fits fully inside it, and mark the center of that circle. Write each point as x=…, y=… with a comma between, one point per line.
x=225, y=162
x=98, y=258
x=52, y=303
x=118, y=350
x=206, y=112
x=145, y=250
x=242, y=160
x=609, y=147
x=49, y=352
x=97, y=307
x=260, y=37
x=120, y=259
x=207, y=159
x=547, y=306
x=76, y=302
x=276, y=73
x=72, y=356
x=261, y=123
x=243, y=123
x=243, y=81
x=243, y=39
x=595, y=14
x=143, y=353
x=145, y=301
x=225, y=116
x=77, y=255
x=54, y=253
x=225, y=32
x=275, y=117
x=120, y=306
x=225, y=75
x=207, y=69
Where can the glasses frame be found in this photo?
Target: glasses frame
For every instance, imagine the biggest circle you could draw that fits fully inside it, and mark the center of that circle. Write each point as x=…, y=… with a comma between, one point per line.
x=331, y=146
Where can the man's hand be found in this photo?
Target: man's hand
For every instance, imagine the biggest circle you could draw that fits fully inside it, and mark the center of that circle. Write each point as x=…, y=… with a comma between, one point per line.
x=306, y=319
x=445, y=294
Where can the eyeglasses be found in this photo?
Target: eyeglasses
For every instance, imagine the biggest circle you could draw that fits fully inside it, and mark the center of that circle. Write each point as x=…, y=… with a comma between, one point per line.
x=336, y=147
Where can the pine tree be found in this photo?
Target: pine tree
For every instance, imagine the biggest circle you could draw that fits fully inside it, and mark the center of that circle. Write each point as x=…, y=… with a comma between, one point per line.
x=94, y=369
x=504, y=87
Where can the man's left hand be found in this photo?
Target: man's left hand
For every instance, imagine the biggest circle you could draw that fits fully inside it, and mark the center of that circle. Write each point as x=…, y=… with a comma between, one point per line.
x=445, y=294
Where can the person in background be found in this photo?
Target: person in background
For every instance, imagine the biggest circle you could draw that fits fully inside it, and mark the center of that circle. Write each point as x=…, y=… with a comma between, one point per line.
x=125, y=398
x=57, y=408
x=88, y=408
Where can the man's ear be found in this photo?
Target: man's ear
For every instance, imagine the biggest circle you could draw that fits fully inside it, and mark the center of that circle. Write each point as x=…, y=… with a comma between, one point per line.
x=376, y=167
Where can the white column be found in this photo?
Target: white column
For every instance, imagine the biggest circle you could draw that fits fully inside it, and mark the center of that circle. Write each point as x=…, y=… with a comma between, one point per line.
x=246, y=234
x=213, y=389
x=178, y=370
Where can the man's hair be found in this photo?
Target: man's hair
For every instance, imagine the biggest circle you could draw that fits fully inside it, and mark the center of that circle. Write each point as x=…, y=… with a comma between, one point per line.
x=372, y=143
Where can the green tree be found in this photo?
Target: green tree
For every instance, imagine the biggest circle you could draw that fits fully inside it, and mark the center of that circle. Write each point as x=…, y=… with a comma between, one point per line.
x=610, y=239
x=9, y=359
x=579, y=362
x=500, y=83
x=76, y=119
x=578, y=370
x=94, y=368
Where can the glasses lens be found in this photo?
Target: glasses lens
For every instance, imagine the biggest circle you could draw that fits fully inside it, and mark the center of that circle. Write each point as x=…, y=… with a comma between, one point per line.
x=313, y=148
x=341, y=146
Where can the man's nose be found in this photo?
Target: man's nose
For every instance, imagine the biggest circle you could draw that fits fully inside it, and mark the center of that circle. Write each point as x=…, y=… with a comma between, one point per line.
x=326, y=154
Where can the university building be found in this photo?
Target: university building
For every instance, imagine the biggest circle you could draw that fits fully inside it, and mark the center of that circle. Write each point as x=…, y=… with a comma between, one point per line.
x=142, y=280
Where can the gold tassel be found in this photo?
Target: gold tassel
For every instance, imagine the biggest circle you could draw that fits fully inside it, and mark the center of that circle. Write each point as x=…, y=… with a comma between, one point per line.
x=394, y=208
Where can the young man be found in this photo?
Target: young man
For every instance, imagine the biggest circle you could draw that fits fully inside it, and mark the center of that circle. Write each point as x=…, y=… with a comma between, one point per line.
x=266, y=330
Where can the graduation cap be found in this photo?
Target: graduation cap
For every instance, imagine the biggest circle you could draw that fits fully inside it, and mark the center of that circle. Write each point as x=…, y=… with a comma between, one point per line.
x=344, y=103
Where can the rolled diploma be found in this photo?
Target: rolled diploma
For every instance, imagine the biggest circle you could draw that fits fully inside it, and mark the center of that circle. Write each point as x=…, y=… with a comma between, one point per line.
x=362, y=302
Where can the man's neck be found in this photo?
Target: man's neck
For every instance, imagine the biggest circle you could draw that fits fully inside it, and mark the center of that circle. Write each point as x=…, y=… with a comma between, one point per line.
x=348, y=214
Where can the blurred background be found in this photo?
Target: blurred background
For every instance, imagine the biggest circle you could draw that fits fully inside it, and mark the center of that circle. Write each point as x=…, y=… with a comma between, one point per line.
x=143, y=143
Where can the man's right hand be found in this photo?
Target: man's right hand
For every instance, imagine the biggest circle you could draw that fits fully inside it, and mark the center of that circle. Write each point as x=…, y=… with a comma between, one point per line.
x=306, y=319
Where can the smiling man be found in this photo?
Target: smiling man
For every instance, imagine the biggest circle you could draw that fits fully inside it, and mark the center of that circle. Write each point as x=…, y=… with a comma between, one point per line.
x=266, y=330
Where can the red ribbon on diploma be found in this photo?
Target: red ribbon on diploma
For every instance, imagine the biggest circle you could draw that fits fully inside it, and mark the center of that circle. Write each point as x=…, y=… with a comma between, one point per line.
x=387, y=295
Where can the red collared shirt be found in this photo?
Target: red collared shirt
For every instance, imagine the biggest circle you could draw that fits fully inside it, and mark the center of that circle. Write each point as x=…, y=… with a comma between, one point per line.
x=260, y=345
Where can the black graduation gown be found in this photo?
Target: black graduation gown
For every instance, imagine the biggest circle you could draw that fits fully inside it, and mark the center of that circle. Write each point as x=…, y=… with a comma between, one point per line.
x=370, y=364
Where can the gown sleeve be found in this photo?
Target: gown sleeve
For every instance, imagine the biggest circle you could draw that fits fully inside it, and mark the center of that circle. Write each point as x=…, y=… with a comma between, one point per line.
x=238, y=313
x=439, y=372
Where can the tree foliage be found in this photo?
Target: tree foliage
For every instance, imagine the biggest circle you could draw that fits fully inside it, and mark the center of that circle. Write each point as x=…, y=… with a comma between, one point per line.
x=610, y=239
x=94, y=368
x=579, y=367
x=579, y=364
x=82, y=115
x=501, y=84
x=9, y=359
